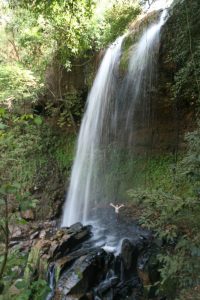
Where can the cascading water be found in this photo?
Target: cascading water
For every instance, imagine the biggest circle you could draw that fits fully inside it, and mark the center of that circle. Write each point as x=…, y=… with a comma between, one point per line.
x=107, y=125
x=82, y=185
x=138, y=84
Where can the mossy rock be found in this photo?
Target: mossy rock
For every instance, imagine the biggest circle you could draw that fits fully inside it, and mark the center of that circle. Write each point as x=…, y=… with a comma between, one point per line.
x=136, y=30
x=37, y=265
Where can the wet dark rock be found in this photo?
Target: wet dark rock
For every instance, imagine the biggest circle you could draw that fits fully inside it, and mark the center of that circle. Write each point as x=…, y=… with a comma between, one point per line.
x=34, y=235
x=85, y=273
x=1, y=287
x=106, y=285
x=75, y=227
x=82, y=270
x=65, y=262
x=132, y=287
x=147, y=267
x=50, y=245
x=68, y=239
x=127, y=251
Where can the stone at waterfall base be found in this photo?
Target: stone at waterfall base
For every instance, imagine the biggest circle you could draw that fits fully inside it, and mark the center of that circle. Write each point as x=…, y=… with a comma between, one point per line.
x=82, y=270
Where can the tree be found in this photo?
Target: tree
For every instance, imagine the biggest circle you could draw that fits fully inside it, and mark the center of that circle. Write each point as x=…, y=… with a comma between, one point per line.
x=118, y=17
x=71, y=25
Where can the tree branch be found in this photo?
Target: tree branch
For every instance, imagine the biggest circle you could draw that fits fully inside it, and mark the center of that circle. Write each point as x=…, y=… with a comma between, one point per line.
x=3, y=265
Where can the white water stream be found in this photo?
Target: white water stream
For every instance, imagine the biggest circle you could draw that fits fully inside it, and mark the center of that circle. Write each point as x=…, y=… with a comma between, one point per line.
x=82, y=183
x=100, y=120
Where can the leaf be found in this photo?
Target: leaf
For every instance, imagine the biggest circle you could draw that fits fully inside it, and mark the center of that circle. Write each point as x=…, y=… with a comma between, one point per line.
x=21, y=284
x=3, y=191
x=3, y=126
x=2, y=202
x=9, y=188
x=38, y=121
x=22, y=222
x=2, y=111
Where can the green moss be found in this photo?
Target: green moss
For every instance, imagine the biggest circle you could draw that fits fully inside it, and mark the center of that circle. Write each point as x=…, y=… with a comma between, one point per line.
x=36, y=267
x=132, y=38
x=32, y=264
x=127, y=48
x=126, y=53
x=126, y=171
x=64, y=153
x=57, y=272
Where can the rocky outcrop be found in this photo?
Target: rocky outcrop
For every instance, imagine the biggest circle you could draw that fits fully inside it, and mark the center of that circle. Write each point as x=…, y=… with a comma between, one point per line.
x=98, y=274
x=76, y=268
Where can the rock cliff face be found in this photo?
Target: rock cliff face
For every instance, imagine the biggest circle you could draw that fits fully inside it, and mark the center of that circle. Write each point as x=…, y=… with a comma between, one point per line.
x=169, y=111
x=66, y=92
x=173, y=112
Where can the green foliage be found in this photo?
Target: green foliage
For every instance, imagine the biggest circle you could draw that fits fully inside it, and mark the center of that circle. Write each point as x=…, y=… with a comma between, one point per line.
x=38, y=156
x=39, y=289
x=183, y=47
x=161, y=209
x=16, y=262
x=63, y=152
x=19, y=142
x=68, y=26
x=174, y=217
x=118, y=17
x=67, y=111
x=191, y=162
x=29, y=40
x=17, y=83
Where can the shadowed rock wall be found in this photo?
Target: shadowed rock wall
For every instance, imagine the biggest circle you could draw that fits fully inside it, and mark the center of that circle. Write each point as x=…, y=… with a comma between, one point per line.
x=161, y=123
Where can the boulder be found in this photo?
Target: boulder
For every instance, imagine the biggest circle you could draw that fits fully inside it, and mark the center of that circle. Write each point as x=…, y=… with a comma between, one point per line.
x=106, y=285
x=68, y=239
x=65, y=262
x=27, y=215
x=85, y=273
x=15, y=232
x=34, y=235
x=127, y=250
x=147, y=268
x=50, y=245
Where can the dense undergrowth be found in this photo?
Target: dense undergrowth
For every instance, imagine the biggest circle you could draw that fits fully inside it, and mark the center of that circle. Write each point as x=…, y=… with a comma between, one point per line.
x=28, y=145
x=171, y=210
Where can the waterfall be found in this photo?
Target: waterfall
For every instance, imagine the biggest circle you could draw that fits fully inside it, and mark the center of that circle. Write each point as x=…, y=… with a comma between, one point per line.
x=107, y=125
x=138, y=84
x=82, y=183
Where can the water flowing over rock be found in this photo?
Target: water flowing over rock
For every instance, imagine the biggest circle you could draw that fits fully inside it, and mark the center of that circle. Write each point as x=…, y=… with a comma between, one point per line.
x=81, y=189
x=112, y=264
x=76, y=265
x=106, y=134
